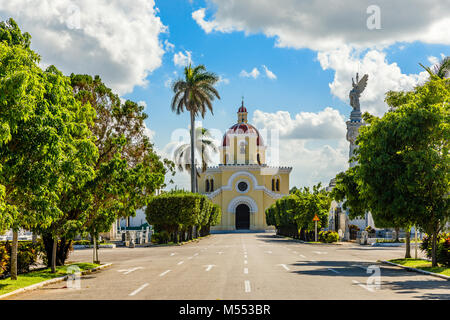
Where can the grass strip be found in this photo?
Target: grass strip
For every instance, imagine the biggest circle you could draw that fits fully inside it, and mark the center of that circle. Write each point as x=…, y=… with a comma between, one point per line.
x=423, y=265
x=27, y=279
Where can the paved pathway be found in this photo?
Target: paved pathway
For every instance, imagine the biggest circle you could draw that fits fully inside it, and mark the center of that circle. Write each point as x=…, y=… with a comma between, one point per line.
x=248, y=266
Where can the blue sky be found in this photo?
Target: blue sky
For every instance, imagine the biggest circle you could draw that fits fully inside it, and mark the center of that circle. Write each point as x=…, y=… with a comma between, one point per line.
x=313, y=49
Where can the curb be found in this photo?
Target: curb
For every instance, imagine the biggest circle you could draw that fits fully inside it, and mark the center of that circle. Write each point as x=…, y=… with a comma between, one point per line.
x=88, y=246
x=442, y=276
x=51, y=281
x=306, y=242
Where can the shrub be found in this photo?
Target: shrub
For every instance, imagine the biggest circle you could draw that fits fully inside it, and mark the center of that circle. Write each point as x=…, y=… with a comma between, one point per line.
x=82, y=242
x=442, y=248
x=162, y=237
x=328, y=236
x=4, y=259
x=27, y=256
x=179, y=212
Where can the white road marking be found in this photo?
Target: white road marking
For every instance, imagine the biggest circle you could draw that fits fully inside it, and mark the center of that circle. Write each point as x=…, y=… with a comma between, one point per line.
x=164, y=273
x=333, y=270
x=172, y=254
x=246, y=270
x=220, y=252
x=247, y=286
x=138, y=289
x=181, y=262
x=284, y=266
x=302, y=256
x=320, y=252
x=190, y=258
x=127, y=271
x=294, y=251
x=362, y=285
x=245, y=261
x=195, y=254
x=245, y=256
x=268, y=251
x=209, y=267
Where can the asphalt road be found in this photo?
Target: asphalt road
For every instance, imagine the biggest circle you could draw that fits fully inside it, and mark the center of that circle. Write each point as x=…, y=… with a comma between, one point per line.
x=248, y=266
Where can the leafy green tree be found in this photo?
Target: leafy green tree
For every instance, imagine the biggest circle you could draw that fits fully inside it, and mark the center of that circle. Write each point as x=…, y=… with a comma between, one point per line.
x=293, y=214
x=195, y=93
x=127, y=171
x=41, y=129
x=403, y=169
x=310, y=203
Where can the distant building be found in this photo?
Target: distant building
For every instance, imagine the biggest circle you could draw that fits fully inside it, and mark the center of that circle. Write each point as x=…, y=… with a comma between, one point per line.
x=242, y=184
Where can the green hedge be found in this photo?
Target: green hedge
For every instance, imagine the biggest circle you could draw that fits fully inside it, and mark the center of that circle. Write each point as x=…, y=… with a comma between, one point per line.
x=442, y=249
x=328, y=236
x=293, y=215
x=27, y=256
x=183, y=215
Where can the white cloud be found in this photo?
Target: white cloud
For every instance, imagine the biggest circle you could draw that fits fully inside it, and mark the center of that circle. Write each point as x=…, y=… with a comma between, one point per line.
x=326, y=25
x=181, y=59
x=325, y=124
x=383, y=76
x=313, y=144
x=223, y=80
x=118, y=41
x=269, y=73
x=252, y=74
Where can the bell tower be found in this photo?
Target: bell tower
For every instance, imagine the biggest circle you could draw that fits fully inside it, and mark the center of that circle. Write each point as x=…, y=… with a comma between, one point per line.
x=242, y=113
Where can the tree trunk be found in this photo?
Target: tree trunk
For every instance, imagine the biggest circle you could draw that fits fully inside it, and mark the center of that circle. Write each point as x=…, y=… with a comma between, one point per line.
x=397, y=233
x=55, y=246
x=193, y=169
x=94, y=248
x=433, y=249
x=15, y=244
x=408, y=243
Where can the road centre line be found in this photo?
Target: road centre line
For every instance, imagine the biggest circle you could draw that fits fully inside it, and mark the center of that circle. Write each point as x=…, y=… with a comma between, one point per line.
x=138, y=289
x=181, y=262
x=302, y=256
x=247, y=286
x=245, y=261
x=164, y=273
x=284, y=266
x=246, y=270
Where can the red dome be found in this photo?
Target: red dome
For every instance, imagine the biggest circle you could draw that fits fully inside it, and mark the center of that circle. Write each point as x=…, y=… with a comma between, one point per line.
x=242, y=109
x=242, y=128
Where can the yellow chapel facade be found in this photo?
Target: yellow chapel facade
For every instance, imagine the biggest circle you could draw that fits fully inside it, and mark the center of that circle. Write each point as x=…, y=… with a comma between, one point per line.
x=243, y=185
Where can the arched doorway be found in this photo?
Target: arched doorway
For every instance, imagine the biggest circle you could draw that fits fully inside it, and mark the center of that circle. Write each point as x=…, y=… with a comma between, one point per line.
x=242, y=217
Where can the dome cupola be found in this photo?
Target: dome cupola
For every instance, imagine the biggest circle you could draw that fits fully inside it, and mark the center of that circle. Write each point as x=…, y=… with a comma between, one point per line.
x=242, y=143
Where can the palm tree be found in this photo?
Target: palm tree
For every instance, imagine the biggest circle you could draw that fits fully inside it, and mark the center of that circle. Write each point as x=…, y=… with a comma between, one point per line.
x=441, y=70
x=205, y=146
x=196, y=93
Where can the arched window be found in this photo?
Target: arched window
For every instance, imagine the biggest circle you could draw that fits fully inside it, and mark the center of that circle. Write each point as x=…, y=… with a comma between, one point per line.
x=278, y=184
x=242, y=147
x=207, y=185
x=273, y=184
x=212, y=185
